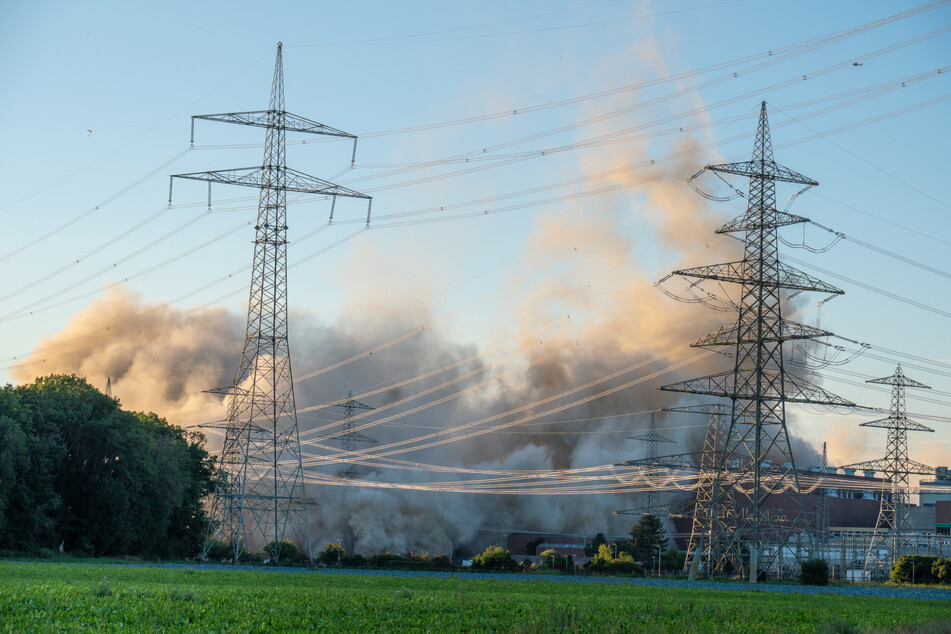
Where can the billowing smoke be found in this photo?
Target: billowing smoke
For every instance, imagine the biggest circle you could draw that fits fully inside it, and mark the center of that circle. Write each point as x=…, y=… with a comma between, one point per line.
x=595, y=313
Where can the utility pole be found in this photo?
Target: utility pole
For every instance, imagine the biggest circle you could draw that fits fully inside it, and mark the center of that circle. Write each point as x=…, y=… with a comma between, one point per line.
x=757, y=460
x=259, y=493
x=893, y=525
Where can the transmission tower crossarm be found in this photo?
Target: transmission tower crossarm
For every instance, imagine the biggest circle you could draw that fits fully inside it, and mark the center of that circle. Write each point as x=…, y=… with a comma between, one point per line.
x=886, y=465
x=754, y=222
x=258, y=176
x=736, y=272
x=893, y=422
x=265, y=118
x=730, y=334
x=795, y=389
x=675, y=461
x=763, y=169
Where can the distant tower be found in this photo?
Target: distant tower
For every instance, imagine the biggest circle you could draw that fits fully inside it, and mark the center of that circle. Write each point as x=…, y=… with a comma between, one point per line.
x=893, y=525
x=109, y=386
x=822, y=517
x=349, y=438
x=652, y=438
x=757, y=460
x=713, y=447
x=259, y=493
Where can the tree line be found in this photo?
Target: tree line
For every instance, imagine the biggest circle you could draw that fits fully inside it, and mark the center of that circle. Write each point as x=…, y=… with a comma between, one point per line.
x=81, y=475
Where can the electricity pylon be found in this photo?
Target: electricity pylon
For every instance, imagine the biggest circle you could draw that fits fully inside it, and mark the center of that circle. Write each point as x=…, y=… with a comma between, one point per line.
x=713, y=444
x=822, y=517
x=349, y=438
x=893, y=525
x=259, y=494
x=652, y=438
x=758, y=385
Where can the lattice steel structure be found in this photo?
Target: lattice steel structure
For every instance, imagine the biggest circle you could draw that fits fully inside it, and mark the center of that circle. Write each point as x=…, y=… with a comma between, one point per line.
x=349, y=438
x=652, y=438
x=713, y=446
x=893, y=526
x=822, y=516
x=259, y=493
x=759, y=385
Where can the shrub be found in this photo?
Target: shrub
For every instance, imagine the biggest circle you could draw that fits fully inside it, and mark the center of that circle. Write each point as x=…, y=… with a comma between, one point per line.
x=494, y=558
x=285, y=552
x=815, y=572
x=941, y=570
x=913, y=569
x=332, y=555
x=219, y=551
x=605, y=562
x=531, y=548
x=386, y=560
x=553, y=561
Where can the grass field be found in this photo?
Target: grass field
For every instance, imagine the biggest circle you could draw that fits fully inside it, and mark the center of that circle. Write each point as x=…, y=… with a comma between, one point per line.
x=62, y=597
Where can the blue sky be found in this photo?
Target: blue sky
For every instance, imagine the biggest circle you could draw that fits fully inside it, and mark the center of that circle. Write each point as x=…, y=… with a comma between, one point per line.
x=98, y=98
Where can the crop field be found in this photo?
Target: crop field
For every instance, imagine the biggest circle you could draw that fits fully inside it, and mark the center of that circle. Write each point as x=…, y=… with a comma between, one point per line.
x=64, y=597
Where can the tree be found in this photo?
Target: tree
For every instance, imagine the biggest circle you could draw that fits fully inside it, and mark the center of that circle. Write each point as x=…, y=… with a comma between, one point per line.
x=494, y=558
x=531, y=548
x=596, y=543
x=648, y=538
x=84, y=473
x=815, y=572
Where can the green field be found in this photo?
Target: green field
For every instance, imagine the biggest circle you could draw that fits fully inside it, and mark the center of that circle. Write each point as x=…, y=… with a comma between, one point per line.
x=63, y=597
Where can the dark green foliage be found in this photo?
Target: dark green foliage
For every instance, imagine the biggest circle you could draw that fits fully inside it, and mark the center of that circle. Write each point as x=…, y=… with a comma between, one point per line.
x=672, y=560
x=494, y=558
x=531, y=548
x=941, y=570
x=913, y=569
x=604, y=562
x=815, y=572
x=284, y=553
x=591, y=549
x=648, y=539
x=332, y=555
x=77, y=470
x=385, y=560
x=219, y=551
x=553, y=561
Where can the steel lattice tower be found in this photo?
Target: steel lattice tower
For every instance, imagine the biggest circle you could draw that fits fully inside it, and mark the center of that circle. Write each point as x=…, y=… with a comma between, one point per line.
x=758, y=385
x=652, y=438
x=893, y=524
x=260, y=487
x=713, y=444
x=349, y=438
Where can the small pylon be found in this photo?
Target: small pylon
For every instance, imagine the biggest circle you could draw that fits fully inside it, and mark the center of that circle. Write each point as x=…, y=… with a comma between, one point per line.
x=349, y=438
x=652, y=438
x=893, y=525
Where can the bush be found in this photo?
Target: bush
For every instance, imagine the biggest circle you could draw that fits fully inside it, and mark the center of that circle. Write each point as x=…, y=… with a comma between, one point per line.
x=605, y=562
x=285, y=552
x=941, y=570
x=494, y=558
x=913, y=569
x=815, y=572
x=219, y=551
x=553, y=561
x=332, y=555
x=386, y=560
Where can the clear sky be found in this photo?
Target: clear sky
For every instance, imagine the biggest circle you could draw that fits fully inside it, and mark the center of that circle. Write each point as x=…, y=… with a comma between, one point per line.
x=95, y=115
